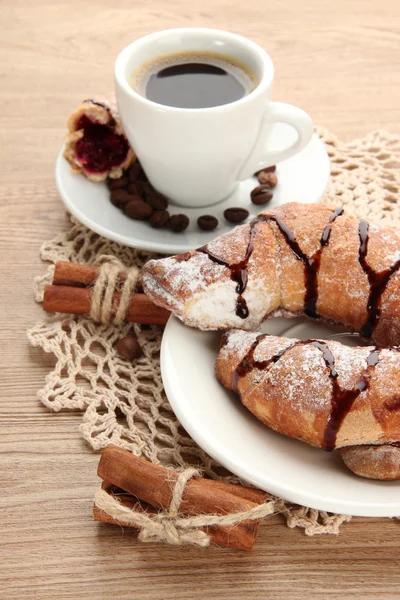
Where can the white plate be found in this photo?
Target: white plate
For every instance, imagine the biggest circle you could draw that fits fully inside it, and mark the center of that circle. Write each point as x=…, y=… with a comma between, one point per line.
x=302, y=178
x=225, y=429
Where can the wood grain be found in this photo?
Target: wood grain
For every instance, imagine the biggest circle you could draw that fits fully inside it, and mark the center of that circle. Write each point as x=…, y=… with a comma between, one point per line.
x=340, y=61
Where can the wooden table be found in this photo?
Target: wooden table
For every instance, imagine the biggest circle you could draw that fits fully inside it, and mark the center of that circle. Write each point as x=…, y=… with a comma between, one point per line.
x=340, y=61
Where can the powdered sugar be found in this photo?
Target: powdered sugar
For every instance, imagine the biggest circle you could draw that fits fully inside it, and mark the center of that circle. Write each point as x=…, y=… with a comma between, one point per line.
x=213, y=308
x=350, y=363
x=231, y=246
x=383, y=454
x=238, y=341
x=270, y=346
x=302, y=375
x=190, y=275
x=154, y=290
x=202, y=293
x=172, y=283
x=377, y=462
x=301, y=371
x=393, y=258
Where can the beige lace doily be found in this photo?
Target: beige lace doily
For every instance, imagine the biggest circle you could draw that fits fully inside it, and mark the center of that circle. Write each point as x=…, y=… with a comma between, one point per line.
x=124, y=403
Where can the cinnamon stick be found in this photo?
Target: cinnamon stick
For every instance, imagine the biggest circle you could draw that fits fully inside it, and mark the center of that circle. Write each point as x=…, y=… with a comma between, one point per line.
x=126, y=500
x=153, y=484
x=76, y=275
x=218, y=534
x=76, y=301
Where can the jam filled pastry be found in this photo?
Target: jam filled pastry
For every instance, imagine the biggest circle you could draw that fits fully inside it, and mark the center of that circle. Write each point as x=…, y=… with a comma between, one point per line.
x=321, y=392
x=297, y=259
x=96, y=145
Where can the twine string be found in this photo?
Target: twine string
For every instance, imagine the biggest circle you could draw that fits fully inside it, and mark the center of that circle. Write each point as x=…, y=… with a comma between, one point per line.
x=169, y=525
x=102, y=309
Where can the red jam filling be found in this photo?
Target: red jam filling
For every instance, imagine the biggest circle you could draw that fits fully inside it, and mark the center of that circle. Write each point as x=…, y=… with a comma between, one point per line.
x=100, y=148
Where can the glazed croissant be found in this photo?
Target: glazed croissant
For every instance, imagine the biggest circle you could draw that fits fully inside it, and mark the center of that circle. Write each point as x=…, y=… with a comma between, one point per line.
x=321, y=392
x=293, y=260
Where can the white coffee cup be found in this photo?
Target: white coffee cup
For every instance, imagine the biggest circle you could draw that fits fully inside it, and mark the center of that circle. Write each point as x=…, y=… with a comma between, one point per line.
x=196, y=156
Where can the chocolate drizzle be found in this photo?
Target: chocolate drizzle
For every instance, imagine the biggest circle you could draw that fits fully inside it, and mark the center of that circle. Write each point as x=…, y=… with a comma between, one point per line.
x=341, y=399
x=248, y=363
x=98, y=103
x=239, y=271
x=393, y=405
x=311, y=263
x=314, y=263
x=377, y=281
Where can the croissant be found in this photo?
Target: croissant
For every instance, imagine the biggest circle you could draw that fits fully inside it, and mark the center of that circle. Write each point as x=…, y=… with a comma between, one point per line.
x=293, y=260
x=96, y=144
x=321, y=392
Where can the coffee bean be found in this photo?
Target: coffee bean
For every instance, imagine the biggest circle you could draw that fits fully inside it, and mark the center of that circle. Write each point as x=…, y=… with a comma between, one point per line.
x=140, y=188
x=133, y=189
x=271, y=169
x=136, y=172
x=261, y=195
x=207, y=222
x=269, y=179
x=129, y=347
x=178, y=223
x=145, y=188
x=142, y=176
x=120, y=197
x=137, y=209
x=115, y=184
x=159, y=218
x=157, y=201
x=236, y=215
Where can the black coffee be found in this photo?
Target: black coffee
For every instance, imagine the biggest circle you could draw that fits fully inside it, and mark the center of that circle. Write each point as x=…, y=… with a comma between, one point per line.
x=199, y=80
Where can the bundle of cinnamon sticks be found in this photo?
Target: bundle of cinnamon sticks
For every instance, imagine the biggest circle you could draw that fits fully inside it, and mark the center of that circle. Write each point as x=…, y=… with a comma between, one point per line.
x=145, y=487
x=137, y=484
x=71, y=293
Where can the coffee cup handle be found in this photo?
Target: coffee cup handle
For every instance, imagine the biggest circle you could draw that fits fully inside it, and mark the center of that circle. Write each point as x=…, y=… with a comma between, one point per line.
x=278, y=112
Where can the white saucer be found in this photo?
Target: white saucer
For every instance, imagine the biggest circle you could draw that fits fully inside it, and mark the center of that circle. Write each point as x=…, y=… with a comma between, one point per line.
x=227, y=431
x=302, y=178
